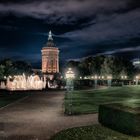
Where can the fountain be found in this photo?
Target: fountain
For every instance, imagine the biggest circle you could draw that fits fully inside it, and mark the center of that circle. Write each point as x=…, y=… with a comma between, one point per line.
x=22, y=82
x=2, y=85
x=52, y=85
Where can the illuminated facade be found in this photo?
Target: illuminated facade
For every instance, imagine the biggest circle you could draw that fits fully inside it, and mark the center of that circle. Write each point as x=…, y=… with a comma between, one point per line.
x=50, y=57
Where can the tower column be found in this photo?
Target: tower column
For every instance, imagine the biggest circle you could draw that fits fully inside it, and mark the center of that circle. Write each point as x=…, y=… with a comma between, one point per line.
x=50, y=56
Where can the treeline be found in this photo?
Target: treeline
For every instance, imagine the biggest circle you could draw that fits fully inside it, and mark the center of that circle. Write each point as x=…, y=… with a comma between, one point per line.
x=10, y=67
x=103, y=65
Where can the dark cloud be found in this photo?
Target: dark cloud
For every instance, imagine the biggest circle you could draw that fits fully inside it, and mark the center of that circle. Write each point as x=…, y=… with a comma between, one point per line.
x=90, y=26
x=65, y=11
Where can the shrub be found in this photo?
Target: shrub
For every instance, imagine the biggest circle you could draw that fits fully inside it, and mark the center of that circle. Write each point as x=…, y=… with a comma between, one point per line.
x=121, y=118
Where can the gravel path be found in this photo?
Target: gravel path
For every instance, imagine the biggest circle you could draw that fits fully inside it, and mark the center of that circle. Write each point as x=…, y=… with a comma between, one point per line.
x=38, y=117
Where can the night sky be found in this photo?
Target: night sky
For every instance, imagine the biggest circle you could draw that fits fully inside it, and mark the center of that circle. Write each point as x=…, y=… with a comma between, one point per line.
x=81, y=28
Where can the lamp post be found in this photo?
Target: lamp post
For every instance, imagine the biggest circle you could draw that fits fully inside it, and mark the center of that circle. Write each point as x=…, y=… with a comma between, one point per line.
x=70, y=86
x=102, y=77
x=137, y=80
x=109, y=80
x=95, y=81
x=123, y=77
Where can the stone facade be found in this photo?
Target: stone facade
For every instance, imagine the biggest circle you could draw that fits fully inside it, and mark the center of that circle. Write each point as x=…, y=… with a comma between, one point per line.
x=50, y=57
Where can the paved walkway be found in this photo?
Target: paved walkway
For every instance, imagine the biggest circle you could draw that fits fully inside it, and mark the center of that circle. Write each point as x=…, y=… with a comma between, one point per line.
x=38, y=117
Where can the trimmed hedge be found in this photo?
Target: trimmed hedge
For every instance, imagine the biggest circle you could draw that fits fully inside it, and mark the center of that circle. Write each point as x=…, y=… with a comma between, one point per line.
x=93, y=132
x=120, y=118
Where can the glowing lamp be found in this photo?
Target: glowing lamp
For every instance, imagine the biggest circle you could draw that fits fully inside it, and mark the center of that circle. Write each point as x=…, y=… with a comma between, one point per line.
x=70, y=74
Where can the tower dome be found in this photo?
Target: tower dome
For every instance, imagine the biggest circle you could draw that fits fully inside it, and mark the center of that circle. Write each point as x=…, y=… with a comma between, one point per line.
x=50, y=42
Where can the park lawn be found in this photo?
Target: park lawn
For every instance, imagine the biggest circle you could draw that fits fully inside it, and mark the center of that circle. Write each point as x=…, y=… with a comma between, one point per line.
x=95, y=132
x=6, y=99
x=88, y=101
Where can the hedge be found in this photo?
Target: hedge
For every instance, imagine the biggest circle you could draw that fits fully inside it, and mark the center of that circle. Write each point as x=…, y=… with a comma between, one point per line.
x=120, y=118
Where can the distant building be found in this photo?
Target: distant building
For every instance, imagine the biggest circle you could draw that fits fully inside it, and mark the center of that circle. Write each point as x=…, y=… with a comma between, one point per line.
x=50, y=57
x=136, y=63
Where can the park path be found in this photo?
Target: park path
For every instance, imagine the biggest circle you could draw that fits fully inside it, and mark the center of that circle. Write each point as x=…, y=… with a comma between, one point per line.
x=39, y=117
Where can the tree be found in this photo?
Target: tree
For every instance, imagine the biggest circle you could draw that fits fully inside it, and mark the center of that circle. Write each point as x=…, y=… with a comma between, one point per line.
x=9, y=67
x=1, y=72
x=104, y=65
x=107, y=67
x=22, y=67
x=98, y=62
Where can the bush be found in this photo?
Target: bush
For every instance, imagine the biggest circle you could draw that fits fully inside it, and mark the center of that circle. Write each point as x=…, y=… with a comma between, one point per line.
x=116, y=85
x=94, y=132
x=83, y=84
x=121, y=118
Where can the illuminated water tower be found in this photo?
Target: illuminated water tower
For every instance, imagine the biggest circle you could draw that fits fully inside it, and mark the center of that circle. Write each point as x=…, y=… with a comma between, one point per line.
x=50, y=57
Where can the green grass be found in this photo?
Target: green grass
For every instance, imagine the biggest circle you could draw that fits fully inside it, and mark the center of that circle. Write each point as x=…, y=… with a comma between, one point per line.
x=6, y=98
x=96, y=132
x=88, y=101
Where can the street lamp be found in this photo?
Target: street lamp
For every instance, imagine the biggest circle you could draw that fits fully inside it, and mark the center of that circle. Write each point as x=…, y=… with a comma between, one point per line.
x=95, y=81
x=70, y=86
x=69, y=77
x=137, y=80
x=92, y=77
x=102, y=77
x=123, y=77
x=109, y=80
x=85, y=77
